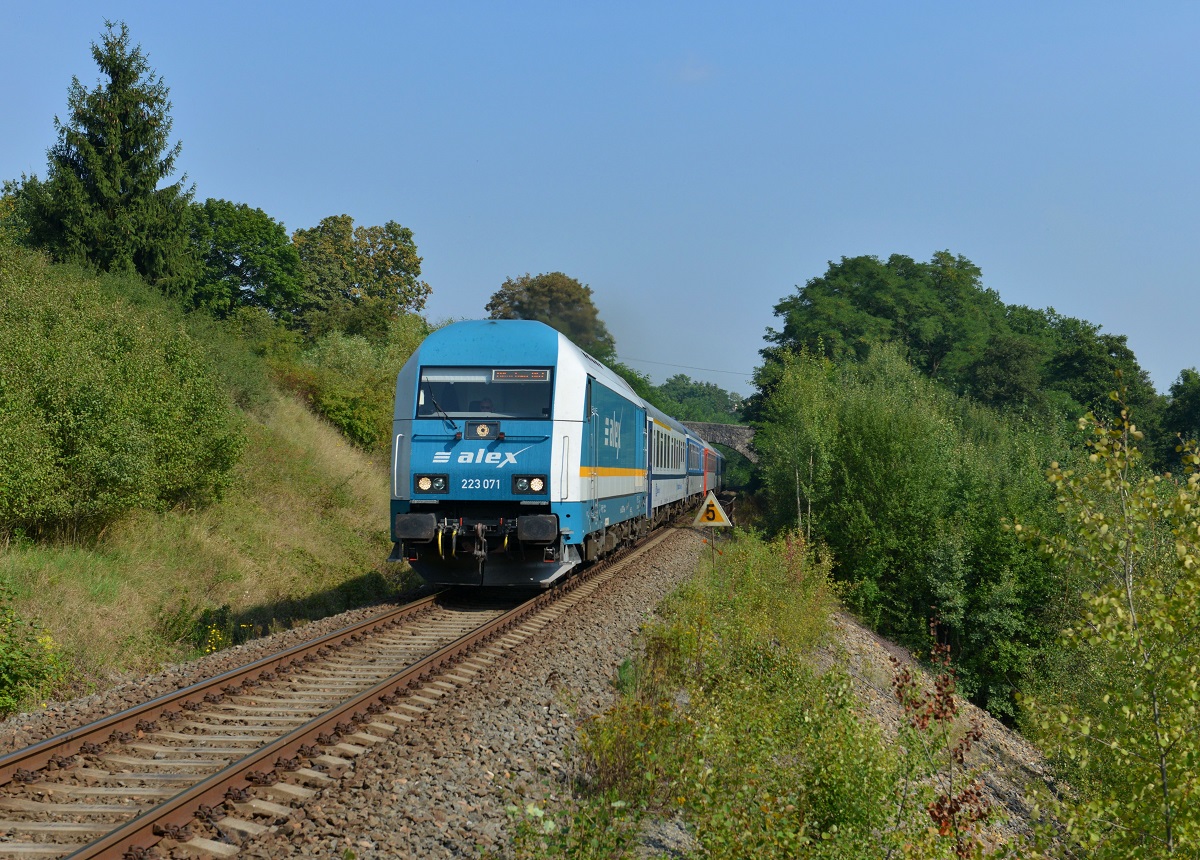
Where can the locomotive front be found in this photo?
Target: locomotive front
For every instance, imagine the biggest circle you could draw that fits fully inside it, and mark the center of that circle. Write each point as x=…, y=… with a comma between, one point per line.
x=474, y=446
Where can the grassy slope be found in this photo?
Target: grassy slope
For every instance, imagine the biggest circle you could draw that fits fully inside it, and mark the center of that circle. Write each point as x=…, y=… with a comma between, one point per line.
x=303, y=533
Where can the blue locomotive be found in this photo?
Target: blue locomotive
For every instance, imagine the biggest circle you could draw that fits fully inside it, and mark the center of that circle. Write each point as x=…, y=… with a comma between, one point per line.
x=516, y=456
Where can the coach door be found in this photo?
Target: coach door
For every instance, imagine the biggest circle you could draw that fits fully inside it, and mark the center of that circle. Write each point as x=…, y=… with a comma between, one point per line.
x=593, y=449
x=649, y=467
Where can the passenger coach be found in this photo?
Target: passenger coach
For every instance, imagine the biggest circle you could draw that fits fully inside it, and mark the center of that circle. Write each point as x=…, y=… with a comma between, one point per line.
x=516, y=456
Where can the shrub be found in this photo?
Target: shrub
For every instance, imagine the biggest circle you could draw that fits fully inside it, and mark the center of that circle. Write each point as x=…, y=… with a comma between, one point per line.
x=351, y=381
x=723, y=721
x=30, y=664
x=107, y=406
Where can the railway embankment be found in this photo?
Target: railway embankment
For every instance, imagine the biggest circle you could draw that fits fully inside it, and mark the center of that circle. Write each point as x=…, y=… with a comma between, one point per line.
x=444, y=786
x=295, y=538
x=543, y=753
x=756, y=719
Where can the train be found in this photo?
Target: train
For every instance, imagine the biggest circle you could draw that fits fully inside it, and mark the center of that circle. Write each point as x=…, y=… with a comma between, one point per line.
x=517, y=457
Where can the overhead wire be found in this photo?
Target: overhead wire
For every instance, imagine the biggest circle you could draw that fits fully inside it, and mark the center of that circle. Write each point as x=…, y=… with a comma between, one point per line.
x=684, y=366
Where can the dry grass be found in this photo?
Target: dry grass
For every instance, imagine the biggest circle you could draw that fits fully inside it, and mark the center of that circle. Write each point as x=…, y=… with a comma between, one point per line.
x=302, y=533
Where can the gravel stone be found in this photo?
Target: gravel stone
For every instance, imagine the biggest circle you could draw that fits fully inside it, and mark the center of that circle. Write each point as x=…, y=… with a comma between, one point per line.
x=441, y=789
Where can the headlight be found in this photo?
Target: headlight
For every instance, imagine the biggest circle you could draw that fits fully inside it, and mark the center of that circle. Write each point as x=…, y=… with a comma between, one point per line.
x=529, y=485
x=431, y=483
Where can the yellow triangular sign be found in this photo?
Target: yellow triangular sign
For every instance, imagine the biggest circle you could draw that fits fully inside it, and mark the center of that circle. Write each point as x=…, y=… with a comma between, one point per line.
x=711, y=515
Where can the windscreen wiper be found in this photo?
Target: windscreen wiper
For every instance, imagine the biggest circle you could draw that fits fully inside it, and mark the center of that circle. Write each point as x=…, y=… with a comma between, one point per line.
x=439, y=408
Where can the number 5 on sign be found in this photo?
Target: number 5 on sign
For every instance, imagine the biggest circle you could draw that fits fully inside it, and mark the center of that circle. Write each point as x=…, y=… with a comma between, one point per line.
x=711, y=514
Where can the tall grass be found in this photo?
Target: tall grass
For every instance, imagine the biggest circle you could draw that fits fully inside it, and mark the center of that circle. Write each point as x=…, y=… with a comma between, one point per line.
x=300, y=534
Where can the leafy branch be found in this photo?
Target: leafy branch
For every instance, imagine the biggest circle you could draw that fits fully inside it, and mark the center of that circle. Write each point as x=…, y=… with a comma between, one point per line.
x=1127, y=729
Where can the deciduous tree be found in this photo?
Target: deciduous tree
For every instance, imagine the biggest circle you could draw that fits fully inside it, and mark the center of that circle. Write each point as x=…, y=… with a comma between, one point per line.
x=1124, y=718
x=249, y=261
x=1008, y=372
x=692, y=400
x=559, y=301
x=907, y=485
x=1183, y=413
x=939, y=311
x=358, y=279
x=960, y=333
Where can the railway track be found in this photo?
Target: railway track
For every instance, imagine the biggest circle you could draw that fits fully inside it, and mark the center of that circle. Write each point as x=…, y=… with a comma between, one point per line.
x=198, y=771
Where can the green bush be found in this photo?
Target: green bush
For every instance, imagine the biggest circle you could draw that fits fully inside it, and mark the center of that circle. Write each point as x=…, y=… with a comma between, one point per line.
x=351, y=380
x=30, y=665
x=908, y=485
x=723, y=721
x=243, y=374
x=105, y=405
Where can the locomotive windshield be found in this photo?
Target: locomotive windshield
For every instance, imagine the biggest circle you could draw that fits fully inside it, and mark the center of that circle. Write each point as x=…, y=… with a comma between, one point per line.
x=485, y=392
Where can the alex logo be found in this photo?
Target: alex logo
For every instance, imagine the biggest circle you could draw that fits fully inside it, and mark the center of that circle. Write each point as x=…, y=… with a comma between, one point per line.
x=612, y=432
x=498, y=458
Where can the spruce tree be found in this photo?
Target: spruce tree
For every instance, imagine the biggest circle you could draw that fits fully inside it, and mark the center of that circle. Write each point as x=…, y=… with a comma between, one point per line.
x=102, y=203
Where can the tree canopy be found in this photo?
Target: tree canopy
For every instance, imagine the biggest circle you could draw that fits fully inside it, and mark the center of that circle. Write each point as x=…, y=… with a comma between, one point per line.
x=561, y=302
x=691, y=400
x=249, y=261
x=358, y=279
x=960, y=333
x=938, y=310
x=1183, y=413
x=101, y=203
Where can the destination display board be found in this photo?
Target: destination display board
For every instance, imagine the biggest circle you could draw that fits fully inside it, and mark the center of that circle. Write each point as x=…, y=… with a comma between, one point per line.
x=521, y=375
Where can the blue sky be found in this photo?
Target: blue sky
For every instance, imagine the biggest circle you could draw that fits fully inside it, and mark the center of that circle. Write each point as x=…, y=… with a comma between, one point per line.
x=692, y=162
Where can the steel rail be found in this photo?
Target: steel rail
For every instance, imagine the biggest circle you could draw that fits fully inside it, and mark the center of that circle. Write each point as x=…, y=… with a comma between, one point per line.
x=181, y=810
x=68, y=743
x=135, y=838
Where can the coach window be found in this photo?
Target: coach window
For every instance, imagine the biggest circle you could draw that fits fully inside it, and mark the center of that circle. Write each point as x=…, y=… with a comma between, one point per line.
x=486, y=392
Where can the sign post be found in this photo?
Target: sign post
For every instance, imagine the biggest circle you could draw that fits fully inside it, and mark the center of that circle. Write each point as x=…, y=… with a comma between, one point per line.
x=712, y=516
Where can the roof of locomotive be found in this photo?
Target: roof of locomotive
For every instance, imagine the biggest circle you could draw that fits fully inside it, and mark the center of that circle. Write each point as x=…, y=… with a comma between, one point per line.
x=491, y=342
